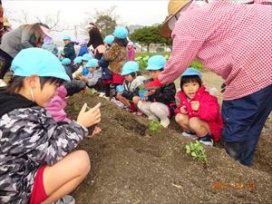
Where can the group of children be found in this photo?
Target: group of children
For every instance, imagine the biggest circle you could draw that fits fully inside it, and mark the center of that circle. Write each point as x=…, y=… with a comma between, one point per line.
x=198, y=112
x=38, y=139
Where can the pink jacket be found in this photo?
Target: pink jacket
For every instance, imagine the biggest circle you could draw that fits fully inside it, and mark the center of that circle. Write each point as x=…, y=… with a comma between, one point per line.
x=131, y=53
x=57, y=105
x=209, y=110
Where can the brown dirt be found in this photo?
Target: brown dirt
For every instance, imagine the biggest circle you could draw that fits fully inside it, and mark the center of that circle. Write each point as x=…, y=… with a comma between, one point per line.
x=132, y=164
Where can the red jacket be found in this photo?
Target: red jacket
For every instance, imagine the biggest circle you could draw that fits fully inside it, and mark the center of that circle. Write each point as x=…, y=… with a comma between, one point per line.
x=209, y=110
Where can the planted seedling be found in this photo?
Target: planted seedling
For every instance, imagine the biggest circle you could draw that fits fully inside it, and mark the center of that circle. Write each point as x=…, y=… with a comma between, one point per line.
x=76, y=107
x=197, y=151
x=154, y=125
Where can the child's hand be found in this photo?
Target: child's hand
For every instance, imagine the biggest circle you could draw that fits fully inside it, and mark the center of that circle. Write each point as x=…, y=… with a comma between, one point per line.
x=90, y=117
x=150, y=93
x=96, y=131
x=183, y=110
x=195, y=105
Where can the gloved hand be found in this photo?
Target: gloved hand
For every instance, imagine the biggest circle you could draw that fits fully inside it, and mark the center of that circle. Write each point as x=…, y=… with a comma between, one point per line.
x=153, y=84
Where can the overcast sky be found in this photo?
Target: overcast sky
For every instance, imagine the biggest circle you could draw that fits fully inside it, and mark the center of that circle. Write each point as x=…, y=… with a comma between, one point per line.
x=72, y=12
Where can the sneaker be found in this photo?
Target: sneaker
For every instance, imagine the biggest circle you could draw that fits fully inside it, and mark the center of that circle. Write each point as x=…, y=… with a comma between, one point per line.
x=188, y=134
x=207, y=140
x=2, y=83
x=165, y=122
x=67, y=199
x=102, y=94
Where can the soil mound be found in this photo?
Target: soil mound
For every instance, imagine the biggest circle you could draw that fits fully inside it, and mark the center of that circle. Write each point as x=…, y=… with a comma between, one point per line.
x=132, y=164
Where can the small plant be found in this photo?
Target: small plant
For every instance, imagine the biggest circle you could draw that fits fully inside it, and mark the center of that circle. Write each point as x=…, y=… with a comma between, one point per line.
x=154, y=125
x=90, y=92
x=76, y=107
x=197, y=151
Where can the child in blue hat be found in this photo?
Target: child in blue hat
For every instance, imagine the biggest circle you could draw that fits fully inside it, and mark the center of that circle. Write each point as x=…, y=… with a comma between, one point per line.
x=106, y=73
x=158, y=103
x=68, y=50
x=131, y=85
x=198, y=112
x=36, y=151
x=93, y=76
x=116, y=55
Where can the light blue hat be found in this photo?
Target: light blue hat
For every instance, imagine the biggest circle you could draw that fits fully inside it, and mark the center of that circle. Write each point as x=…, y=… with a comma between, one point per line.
x=66, y=37
x=66, y=61
x=191, y=72
x=120, y=32
x=37, y=61
x=109, y=39
x=156, y=62
x=92, y=63
x=130, y=67
x=78, y=60
x=86, y=57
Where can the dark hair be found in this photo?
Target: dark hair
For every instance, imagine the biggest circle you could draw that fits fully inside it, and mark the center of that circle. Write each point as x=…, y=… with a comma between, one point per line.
x=121, y=42
x=187, y=79
x=96, y=38
x=17, y=83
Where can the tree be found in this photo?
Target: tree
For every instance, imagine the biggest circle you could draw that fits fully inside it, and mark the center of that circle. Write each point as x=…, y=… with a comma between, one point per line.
x=148, y=35
x=105, y=20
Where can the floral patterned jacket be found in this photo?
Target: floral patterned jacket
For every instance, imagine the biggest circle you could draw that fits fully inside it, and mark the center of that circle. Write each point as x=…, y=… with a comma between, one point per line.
x=116, y=55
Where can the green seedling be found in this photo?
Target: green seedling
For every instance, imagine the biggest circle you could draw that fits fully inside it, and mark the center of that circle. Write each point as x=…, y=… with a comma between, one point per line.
x=154, y=125
x=76, y=107
x=197, y=151
x=90, y=92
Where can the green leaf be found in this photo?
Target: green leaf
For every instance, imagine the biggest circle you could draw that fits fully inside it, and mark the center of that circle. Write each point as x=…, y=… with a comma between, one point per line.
x=193, y=154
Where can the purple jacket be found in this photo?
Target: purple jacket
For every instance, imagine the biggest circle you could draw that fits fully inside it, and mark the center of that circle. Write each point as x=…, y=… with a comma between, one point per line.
x=57, y=105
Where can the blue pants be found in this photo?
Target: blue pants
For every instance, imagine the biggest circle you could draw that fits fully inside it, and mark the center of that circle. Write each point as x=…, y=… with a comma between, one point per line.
x=244, y=119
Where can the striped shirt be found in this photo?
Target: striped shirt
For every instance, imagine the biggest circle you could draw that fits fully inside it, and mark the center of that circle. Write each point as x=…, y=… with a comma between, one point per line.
x=234, y=41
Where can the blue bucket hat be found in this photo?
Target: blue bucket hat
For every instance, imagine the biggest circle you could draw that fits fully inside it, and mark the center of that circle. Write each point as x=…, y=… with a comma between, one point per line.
x=66, y=37
x=92, y=63
x=86, y=57
x=109, y=39
x=78, y=60
x=191, y=72
x=37, y=61
x=130, y=67
x=66, y=61
x=156, y=62
x=120, y=32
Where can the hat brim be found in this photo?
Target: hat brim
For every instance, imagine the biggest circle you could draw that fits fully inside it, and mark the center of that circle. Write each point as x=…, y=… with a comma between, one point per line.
x=165, y=31
x=46, y=31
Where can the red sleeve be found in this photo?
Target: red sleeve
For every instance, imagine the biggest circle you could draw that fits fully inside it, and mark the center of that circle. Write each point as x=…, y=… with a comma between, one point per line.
x=209, y=108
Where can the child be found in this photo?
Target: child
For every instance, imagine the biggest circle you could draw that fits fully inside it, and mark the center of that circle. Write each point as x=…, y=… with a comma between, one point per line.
x=116, y=55
x=35, y=151
x=160, y=103
x=68, y=50
x=106, y=73
x=131, y=85
x=198, y=112
x=131, y=51
x=77, y=66
x=83, y=48
x=93, y=76
x=66, y=62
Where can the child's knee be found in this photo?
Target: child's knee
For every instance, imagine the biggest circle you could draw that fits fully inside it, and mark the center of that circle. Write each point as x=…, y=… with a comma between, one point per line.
x=82, y=161
x=194, y=123
x=180, y=118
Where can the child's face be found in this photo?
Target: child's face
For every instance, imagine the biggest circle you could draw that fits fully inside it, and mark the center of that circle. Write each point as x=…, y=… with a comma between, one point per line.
x=91, y=69
x=45, y=95
x=129, y=78
x=190, y=89
x=84, y=62
x=154, y=73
